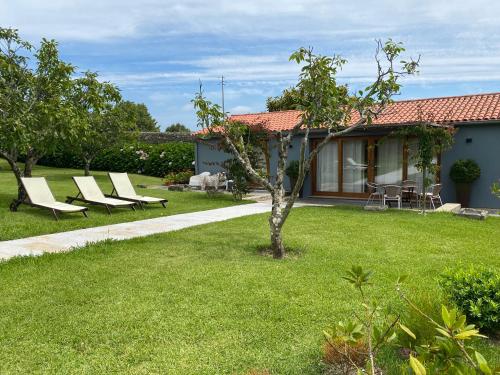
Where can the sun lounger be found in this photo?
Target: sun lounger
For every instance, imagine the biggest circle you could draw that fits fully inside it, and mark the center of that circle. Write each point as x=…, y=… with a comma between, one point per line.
x=39, y=195
x=89, y=192
x=123, y=189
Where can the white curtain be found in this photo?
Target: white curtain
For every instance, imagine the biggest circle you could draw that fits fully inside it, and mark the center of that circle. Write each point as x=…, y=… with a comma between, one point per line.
x=389, y=161
x=328, y=168
x=354, y=166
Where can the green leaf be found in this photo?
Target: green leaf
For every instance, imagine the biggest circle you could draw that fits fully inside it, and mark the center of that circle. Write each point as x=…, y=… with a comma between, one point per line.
x=417, y=366
x=483, y=364
x=408, y=331
x=445, y=314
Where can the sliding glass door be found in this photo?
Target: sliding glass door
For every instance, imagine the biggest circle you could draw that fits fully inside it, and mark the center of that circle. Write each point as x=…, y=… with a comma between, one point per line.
x=327, y=171
x=355, y=165
x=389, y=161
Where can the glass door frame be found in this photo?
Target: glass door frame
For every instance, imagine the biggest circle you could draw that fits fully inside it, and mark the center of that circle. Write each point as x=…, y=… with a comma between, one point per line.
x=372, y=141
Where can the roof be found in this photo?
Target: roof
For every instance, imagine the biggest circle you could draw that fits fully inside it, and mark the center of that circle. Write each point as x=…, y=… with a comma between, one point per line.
x=445, y=110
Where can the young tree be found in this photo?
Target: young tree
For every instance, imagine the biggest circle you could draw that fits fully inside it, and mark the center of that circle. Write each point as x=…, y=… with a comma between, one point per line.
x=143, y=121
x=177, y=128
x=104, y=124
x=36, y=103
x=432, y=139
x=325, y=104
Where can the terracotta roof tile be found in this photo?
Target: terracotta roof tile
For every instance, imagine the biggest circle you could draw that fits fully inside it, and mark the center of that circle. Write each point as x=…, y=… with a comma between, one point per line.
x=445, y=110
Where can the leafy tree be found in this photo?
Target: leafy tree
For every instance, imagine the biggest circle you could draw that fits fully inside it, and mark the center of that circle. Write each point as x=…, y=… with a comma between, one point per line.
x=325, y=104
x=289, y=99
x=104, y=123
x=432, y=139
x=177, y=128
x=144, y=122
x=36, y=100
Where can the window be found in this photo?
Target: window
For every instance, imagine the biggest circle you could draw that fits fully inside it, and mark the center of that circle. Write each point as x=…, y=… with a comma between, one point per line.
x=327, y=172
x=389, y=161
x=355, y=166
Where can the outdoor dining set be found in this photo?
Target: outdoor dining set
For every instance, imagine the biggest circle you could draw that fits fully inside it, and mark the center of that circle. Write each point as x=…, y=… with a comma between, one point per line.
x=406, y=192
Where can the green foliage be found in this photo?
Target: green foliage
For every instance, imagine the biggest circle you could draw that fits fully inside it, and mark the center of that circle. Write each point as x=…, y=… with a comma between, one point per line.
x=177, y=177
x=139, y=113
x=104, y=124
x=241, y=180
x=289, y=99
x=476, y=292
x=446, y=352
x=495, y=189
x=151, y=160
x=465, y=171
x=292, y=170
x=177, y=128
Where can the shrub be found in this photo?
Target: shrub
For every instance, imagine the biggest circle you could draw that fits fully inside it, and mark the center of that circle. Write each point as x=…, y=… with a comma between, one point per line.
x=476, y=292
x=178, y=177
x=292, y=170
x=241, y=181
x=153, y=160
x=465, y=171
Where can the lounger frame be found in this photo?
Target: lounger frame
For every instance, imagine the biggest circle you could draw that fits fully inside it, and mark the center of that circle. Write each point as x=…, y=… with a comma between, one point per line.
x=27, y=201
x=141, y=203
x=79, y=197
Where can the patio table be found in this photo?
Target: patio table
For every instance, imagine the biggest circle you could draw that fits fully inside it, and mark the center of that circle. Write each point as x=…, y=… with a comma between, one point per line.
x=407, y=192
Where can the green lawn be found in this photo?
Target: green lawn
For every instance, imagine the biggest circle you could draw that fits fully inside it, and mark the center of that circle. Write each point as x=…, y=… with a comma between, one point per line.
x=203, y=301
x=30, y=221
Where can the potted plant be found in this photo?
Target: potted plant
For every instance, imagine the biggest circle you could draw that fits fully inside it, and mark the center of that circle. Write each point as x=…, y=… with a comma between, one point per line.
x=464, y=173
x=292, y=171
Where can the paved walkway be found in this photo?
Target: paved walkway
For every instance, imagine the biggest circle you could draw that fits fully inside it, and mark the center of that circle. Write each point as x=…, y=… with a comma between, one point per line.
x=65, y=241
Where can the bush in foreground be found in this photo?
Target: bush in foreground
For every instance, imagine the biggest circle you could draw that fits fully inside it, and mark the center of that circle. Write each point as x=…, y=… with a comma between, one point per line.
x=476, y=292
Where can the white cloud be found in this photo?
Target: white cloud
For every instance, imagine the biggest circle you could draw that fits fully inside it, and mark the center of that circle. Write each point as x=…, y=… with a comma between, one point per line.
x=239, y=109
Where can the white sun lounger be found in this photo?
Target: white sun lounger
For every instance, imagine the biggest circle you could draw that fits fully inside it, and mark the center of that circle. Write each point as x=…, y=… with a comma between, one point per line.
x=123, y=189
x=89, y=192
x=39, y=195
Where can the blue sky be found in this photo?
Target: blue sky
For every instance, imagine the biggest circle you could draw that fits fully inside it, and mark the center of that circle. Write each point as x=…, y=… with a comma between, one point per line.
x=157, y=50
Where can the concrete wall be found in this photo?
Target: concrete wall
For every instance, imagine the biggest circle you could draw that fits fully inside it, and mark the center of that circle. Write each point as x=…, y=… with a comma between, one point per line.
x=482, y=144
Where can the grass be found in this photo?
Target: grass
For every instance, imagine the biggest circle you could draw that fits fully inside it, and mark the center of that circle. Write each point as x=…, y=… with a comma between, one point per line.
x=29, y=221
x=203, y=301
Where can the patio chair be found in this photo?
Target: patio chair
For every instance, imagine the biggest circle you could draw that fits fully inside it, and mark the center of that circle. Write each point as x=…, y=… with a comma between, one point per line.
x=89, y=192
x=392, y=193
x=434, y=194
x=123, y=189
x=39, y=195
x=376, y=192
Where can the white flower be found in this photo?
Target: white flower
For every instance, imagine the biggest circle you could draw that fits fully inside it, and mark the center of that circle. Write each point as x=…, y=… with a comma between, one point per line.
x=193, y=163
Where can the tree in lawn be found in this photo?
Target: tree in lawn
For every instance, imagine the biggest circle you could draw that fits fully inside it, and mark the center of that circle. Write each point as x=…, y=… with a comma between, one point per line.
x=37, y=111
x=432, y=139
x=104, y=124
x=325, y=104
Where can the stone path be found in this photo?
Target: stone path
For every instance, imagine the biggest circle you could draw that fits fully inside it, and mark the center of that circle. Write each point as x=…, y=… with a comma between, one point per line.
x=65, y=241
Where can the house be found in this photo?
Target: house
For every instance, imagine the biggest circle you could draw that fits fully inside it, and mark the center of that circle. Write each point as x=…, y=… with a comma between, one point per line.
x=369, y=154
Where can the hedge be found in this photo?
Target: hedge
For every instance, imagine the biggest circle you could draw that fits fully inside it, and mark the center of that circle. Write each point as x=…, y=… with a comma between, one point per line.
x=152, y=160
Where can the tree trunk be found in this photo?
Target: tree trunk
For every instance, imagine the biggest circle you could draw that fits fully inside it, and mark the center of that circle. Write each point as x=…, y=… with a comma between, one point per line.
x=87, y=167
x=275, y=225
x=21, y=194
x=424, y=192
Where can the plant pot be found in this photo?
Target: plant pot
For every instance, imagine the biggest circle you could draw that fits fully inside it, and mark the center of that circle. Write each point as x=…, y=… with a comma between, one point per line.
x=463, y=193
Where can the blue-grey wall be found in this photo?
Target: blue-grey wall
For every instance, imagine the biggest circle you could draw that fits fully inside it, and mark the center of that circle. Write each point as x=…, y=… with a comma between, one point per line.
x=208, y=156
x=484, y=149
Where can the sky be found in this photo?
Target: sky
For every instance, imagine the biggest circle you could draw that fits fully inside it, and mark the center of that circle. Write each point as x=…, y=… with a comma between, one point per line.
x=157, y=51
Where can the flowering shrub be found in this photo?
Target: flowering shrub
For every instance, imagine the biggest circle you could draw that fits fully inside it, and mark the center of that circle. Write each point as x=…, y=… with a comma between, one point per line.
x=152, y=160
x=178, y=177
